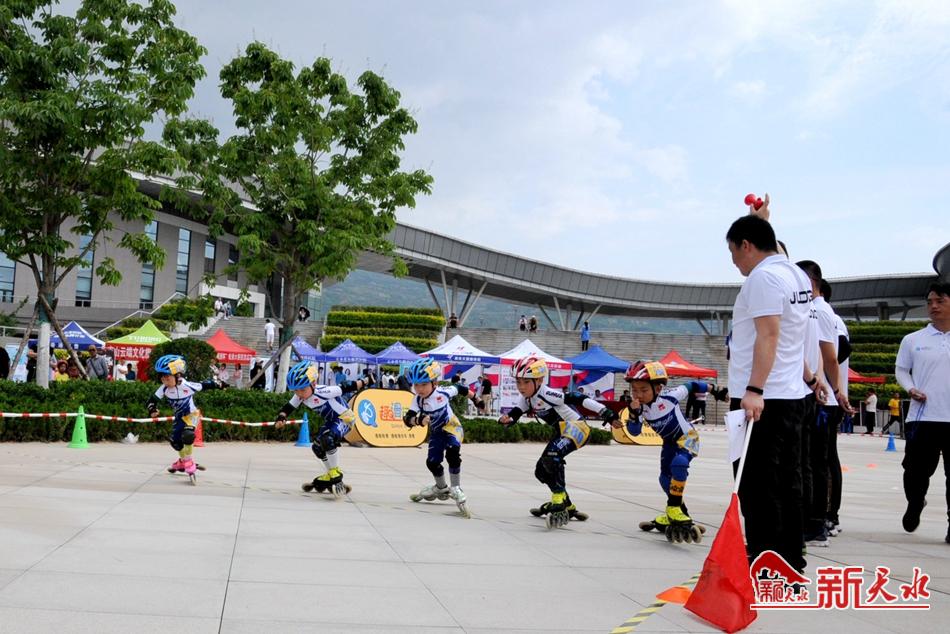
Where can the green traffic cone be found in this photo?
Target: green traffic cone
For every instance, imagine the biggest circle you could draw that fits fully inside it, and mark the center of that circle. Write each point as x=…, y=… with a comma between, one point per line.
x=79, y=440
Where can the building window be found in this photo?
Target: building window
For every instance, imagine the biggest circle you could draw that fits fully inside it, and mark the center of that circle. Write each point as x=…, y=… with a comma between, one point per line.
x=181, y=270
x=84, y=274
x=211, y=249
x=232, y=260
x=147, y=288
x=7, y=277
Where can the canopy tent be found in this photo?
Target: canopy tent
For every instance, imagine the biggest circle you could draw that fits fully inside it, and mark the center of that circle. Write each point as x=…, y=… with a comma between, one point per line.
x=594, y=370
x=349, y=352
x=676, y=365
x=458, y=356
x=229, y=350
x=854, y=377
x=598, y=359
x=458, y=350
x=559, y=371
x=77, y=336
x=306, y=352
x=139, y=344
x=528, y=347
x=396, y=353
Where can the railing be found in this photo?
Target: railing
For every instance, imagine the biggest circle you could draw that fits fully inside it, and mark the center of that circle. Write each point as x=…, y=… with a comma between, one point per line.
x=139, y=312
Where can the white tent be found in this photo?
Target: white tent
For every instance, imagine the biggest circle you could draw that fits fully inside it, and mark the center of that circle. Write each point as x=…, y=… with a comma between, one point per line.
x=459, y=356
x=559, y=371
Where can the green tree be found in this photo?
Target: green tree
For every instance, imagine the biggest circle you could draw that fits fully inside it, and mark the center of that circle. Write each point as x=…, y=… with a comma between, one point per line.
x=76, y=92
x=317, y=169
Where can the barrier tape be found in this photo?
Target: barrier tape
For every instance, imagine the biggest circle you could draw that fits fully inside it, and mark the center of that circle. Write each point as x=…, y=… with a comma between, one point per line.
x=631, y=624
x=124, y=419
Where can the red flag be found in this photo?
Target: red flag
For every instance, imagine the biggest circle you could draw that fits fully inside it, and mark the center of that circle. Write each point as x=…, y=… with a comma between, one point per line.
x=724, y=593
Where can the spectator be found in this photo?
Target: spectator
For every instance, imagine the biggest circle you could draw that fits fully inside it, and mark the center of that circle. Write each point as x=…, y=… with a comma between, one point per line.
x=224, y=375
x=61, y=373
x=533, y=324
x=228, y=310
x=894, y=405
x=120, y=372
x=922, y=368
x=403, y=382
x=453, y=321
x=260, y=382
x=487, y=395
x=870, y=411
x=238, y=376
x=523, y=323
x=97, y=367
x=390, y=382
x=303, y=314
x=598, y=396
x=339, y=376
x=129, y=372
x=270, y=331
x=4, y=363
x=218, y=307
x=72, y=370
x=625, y=397
x=585, y=336
x=456, y=378
x=770, y=317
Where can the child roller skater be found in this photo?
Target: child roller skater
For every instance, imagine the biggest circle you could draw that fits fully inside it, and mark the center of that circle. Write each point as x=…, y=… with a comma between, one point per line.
x=327, y=401
x=570, y=433
x=432, y=406
x=180, y=394
x=659, y=406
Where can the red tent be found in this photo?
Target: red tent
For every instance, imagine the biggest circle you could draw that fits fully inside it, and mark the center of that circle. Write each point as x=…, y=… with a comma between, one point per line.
x=854, y=377
x=678, y=366
x=230, y=351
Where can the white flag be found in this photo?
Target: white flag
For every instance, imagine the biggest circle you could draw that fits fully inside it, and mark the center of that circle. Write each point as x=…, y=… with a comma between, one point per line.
x=736, y=426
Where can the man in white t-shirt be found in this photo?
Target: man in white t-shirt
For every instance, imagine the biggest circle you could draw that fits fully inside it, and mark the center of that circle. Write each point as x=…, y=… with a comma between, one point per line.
x=843, y=348
x=270, y=330
x=827, y=417
x=923, y=370
x=766, y=368
x=870, y=411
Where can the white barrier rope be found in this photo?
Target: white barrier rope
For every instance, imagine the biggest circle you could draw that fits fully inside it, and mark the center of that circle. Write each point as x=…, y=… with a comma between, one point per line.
x=123, y=419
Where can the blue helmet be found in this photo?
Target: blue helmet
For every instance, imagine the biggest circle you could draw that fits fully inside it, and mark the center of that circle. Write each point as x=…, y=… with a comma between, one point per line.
x=423, y=370
x=301, y=375
x=172, y=364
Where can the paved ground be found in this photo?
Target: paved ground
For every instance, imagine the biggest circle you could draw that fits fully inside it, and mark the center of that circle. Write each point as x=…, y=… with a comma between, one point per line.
x=103, y=540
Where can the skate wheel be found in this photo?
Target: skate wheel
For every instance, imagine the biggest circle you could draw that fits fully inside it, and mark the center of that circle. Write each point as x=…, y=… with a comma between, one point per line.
x=339, y=490
x=200, y=467
x=549, y=521
x=647, y=526
x=463, y=509
x=702, y=529
x=415, y=497
x=580, y=517
x=193, y=479
x=536, y=512
x=306, y=486
x=669, y=534
x=696, y=534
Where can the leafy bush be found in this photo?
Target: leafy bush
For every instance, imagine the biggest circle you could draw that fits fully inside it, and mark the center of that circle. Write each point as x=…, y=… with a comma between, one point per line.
x=363, y=319
x=388, y=309
x=387, y=331
x=244, y=309
x=199, y=355
x=193, y=312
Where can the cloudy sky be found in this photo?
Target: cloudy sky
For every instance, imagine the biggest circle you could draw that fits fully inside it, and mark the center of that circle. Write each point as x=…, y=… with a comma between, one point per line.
x=621, y=137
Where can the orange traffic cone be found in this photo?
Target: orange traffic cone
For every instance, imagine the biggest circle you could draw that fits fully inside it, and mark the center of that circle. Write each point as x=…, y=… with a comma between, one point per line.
x=199, y=435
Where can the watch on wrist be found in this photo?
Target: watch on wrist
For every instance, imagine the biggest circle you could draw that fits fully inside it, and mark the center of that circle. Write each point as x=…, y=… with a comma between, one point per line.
x=755, y=390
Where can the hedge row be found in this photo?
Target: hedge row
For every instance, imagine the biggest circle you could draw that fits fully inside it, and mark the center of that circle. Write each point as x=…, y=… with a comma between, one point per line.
x=363, y=320
x=377, y=343
x=388, y=309
x=128, y=399
x=878, y=338
x=858, y=391
x=890, y=348
x=903, y=326
x=380, y=331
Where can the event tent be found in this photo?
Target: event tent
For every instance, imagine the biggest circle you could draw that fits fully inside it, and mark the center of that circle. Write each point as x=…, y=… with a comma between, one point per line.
x=77, y=336
x=559, y=371
x=230, y=351
x=396, y=353
x=594, y=370
x=854, y=377
x=138, y=345
x=306, y=352
x=349, y=352
x=676, y=365
x=458, y=356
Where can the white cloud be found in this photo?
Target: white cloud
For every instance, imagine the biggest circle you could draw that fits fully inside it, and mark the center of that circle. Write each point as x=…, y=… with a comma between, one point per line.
x=752, y=90
x=668, y=163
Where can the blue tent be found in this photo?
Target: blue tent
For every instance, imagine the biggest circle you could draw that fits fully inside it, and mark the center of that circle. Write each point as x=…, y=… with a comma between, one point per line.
x=598, y=360
x=349, y=352
x=396, y=353
x=76, y=336
x=306, y=352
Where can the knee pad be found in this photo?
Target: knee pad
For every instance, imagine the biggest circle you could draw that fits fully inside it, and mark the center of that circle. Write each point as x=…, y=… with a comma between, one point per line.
x=453, y=455
x=547, y=467
x=679, y=467
x=435, y=468
x=177, y=445
x=328, y=440
x=188, y=436
x=318, y=451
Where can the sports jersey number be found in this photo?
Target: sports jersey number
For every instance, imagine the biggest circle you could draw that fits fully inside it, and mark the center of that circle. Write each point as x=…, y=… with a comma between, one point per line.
x=577, y=432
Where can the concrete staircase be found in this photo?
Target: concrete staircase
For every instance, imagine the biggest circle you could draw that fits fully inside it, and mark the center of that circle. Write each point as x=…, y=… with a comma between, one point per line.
x=709, y=352
x=249, y=331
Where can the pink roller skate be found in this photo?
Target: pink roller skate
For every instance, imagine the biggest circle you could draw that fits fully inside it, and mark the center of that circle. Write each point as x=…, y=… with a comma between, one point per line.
x=177, y=467
x=190, y=468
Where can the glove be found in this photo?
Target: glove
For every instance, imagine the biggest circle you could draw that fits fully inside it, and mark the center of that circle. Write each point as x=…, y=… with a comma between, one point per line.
x=409, y=419
x=153, y=412
x=608, y=416
x=281, y=419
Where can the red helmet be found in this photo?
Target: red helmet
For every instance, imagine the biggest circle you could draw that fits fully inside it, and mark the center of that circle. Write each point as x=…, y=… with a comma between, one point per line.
x=530, y=367
x=652, y=371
